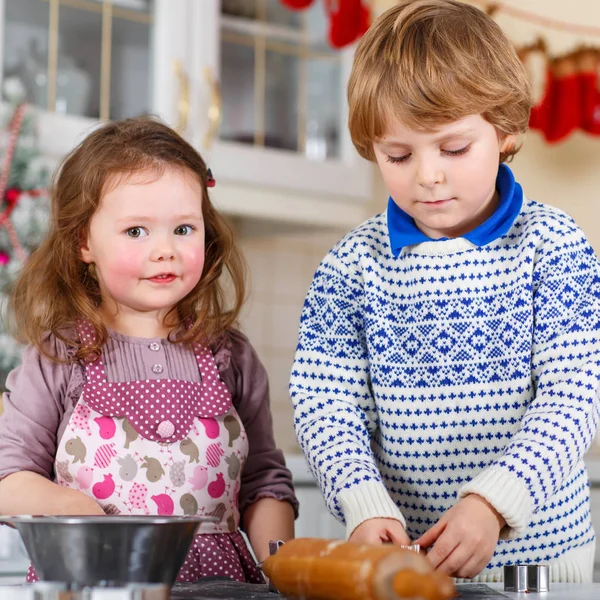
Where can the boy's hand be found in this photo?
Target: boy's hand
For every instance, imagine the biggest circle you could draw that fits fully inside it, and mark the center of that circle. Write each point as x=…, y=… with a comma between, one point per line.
x=380, y=531
x=465, y=538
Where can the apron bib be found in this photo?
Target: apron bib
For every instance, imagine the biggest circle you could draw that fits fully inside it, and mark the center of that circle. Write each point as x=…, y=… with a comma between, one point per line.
x=163, y=447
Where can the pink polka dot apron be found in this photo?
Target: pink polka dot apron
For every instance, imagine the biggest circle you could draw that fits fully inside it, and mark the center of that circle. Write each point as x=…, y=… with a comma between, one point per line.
x=163, y=447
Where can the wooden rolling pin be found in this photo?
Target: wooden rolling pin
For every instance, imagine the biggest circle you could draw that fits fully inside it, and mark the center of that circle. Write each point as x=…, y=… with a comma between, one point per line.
x=318, y=569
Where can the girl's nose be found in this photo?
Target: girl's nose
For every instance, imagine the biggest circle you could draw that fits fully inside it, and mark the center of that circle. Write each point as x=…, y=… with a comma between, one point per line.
x=163, y=251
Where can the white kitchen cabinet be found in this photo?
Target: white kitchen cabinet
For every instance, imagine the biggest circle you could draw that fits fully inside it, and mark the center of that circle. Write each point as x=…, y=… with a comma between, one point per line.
x=13, y=556
x=253, y=85
x=85, y=61
x=595, y=510
x=314, y=519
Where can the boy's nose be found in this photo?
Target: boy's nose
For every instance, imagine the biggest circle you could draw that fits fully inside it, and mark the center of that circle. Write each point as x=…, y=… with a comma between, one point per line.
x=428, y=175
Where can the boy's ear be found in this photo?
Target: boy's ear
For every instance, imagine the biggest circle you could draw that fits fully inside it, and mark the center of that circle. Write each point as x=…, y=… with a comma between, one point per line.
x=508, y=142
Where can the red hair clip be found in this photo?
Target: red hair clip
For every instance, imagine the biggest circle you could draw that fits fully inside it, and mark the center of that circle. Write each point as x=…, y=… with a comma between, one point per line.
x=210, y=180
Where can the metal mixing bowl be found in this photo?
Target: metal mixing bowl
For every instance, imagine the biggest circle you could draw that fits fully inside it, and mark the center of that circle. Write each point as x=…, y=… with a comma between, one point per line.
x=111, y=550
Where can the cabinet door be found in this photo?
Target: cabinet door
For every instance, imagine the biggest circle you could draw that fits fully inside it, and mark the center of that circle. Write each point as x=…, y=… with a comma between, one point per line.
x=271, y=98
x=97, y=59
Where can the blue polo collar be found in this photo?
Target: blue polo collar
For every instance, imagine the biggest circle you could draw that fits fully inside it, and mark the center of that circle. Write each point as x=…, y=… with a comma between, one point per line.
x=403, y=231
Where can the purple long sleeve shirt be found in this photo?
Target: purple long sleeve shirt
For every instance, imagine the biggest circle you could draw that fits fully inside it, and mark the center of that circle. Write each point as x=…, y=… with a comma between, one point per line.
x=42, y=394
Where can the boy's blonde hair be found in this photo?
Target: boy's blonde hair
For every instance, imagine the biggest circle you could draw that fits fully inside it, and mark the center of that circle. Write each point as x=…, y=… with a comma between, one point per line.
x=431, y=62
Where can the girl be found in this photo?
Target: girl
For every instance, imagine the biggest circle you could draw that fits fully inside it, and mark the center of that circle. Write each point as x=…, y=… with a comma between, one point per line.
x=135, y=394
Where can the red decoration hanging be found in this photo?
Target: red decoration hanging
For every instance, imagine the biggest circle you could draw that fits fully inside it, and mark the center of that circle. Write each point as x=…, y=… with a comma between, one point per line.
x=348, y=21
x=297, y=4
x=571, y=99
x=590, y=91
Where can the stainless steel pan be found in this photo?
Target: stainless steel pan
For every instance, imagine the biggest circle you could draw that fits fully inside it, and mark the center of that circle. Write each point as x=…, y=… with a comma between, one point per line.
x=107, y=551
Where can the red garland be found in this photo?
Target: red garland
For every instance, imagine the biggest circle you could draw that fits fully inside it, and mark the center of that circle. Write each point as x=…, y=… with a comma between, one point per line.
x=15, y=127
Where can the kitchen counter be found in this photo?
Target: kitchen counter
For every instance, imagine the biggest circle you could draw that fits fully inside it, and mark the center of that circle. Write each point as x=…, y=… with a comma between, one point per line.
x=230, y=590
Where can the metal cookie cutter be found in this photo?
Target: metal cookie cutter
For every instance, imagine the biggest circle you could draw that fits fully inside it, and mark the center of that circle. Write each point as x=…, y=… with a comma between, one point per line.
x=526, y=578
x=538, y=578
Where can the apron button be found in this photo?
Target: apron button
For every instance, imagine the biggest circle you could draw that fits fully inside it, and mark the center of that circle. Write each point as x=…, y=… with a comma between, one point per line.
x=157, y=369
x=166, y=429
x=154, y=346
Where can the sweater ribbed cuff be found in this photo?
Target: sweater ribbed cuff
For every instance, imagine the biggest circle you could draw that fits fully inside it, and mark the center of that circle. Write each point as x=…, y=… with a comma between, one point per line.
x=368, y=500
x=507, y=494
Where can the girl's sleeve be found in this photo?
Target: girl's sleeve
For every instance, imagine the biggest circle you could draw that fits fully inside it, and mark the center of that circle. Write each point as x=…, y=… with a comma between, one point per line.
x=264, y=473
x=33, y=408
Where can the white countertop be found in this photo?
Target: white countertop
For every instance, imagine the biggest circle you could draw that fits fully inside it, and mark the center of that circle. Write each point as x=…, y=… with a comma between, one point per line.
x=558, y=591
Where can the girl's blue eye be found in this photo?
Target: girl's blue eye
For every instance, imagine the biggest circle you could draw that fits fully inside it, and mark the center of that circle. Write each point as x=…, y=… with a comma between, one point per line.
x=184, y=230
x=398, y=159
x=136, y=232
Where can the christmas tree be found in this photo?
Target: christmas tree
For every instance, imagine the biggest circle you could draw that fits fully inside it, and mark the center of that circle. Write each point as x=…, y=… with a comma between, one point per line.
x=24, y=206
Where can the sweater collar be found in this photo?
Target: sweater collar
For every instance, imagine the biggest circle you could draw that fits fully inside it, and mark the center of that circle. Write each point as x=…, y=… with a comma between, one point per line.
x=403, y=231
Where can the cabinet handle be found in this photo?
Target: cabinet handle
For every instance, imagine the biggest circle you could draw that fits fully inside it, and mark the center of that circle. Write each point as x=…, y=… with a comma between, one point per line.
x=183, y=104
x=214, y=109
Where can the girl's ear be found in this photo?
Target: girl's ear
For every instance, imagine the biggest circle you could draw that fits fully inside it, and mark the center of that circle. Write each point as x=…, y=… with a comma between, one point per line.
x=84, y=248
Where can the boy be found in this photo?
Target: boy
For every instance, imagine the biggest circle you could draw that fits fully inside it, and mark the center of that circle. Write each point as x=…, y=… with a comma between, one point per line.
x=447, y=373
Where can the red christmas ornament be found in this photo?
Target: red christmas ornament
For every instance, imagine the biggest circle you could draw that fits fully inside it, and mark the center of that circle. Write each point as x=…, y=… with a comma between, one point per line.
x=4, y=259
x=11, y=197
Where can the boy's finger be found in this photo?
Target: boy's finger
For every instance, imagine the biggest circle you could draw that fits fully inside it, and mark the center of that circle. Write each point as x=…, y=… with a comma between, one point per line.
x=472, y=567
x=455, y=561
x=398, y=535
x=443, y=547
x=429, y=537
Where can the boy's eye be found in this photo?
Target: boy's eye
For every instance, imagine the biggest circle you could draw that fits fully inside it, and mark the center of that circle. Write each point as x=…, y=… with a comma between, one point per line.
x=136, y=232
x=457, y=152
x=397, y=159
x=184, y=230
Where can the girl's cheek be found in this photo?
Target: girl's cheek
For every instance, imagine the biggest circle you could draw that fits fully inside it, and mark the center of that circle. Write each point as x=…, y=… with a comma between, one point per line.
x=195, y=260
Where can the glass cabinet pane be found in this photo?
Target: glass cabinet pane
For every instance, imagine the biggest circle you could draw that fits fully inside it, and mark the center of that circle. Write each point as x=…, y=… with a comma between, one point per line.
x=323, y=111
x=237, y=88
x=130, y=93
x=79, y=62
x=25, y=50
x=281, y=81
x=281, y=100
x=81, y=57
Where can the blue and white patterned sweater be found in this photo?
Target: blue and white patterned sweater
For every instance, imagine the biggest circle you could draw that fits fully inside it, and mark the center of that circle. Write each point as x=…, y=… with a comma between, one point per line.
x=454, y=369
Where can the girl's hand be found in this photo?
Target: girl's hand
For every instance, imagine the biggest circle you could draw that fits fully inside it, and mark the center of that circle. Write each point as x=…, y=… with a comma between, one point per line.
x=465, y=538
x=380, y=531
x=76, y=503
